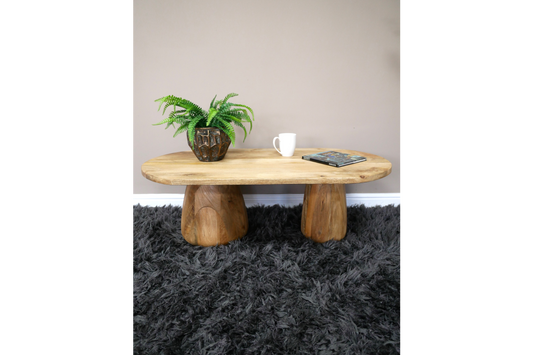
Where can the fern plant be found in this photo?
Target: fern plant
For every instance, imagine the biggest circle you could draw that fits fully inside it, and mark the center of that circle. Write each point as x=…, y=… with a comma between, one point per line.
x=222, y=114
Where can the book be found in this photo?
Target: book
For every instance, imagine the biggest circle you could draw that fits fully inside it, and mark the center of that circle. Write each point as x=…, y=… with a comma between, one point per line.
x=334, y=158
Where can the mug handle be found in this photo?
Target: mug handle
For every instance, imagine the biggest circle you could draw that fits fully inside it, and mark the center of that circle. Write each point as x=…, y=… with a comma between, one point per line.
x=274, y=143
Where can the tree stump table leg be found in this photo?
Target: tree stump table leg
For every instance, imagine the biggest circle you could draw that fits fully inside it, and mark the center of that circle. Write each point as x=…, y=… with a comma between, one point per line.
x=324, y=214
x=213, y=214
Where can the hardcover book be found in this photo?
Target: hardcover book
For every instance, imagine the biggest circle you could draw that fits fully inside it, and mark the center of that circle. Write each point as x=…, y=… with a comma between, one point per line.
x=334, y=158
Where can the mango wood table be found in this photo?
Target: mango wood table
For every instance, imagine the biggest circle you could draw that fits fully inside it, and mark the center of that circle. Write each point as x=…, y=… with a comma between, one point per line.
x=213, y=207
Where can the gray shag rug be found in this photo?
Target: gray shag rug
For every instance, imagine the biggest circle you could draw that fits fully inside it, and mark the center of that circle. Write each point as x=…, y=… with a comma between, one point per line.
x=272, y=292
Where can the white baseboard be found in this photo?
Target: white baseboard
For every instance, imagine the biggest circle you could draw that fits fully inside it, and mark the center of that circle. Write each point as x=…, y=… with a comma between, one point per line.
x=367, y=199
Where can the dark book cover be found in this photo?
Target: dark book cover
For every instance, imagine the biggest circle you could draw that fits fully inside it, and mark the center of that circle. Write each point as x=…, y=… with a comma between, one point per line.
x=334, y=158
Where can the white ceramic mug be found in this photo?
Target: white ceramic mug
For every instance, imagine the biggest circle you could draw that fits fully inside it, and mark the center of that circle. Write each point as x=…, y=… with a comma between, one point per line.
x=287, y=143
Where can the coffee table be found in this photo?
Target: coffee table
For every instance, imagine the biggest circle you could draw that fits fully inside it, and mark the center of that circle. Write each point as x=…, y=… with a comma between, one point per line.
x=213, y=209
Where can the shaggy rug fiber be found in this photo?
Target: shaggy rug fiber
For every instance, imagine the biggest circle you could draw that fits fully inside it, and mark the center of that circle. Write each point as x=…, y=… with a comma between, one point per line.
x=272, y=292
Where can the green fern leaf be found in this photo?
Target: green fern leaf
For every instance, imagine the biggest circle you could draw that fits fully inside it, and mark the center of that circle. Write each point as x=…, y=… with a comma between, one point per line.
x=229, y=118
x=181, y=129
x=176, y=113
x=166, y=120
x=228, y=97
x=222, y=127
x=161, y=101
x=229, y=131
x=191, y=129
x=190, y=133
x=244, y=129
x=211, y=106
x=212, y=113
x=178, y=101
x=170, y=101
x=249, y=109
x=182, y=120
x=192, y=107
x=242, y=114
x=224, y=107
x=238, y=122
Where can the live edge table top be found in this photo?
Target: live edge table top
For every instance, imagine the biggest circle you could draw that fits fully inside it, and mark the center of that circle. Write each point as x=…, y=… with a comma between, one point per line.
x=262, y=167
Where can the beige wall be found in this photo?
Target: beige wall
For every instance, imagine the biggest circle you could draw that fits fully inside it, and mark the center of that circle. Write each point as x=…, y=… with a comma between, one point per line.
x=327, y=70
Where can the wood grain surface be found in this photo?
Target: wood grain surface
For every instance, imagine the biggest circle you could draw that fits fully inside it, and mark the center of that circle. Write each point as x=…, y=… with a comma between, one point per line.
x=213, y=215
x=324, y=214
x=261, y=167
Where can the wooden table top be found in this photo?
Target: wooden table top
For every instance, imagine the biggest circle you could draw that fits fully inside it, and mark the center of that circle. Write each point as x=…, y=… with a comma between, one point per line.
x=261, y=167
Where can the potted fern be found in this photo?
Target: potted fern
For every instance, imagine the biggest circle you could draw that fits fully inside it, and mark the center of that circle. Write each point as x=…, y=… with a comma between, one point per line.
x=209, y=133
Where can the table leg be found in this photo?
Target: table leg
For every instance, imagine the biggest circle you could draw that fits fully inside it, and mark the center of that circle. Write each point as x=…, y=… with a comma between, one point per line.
x=213, y=214
x=324, y=214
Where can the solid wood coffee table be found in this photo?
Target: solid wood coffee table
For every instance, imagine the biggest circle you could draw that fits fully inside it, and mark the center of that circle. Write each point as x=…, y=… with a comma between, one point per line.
x=213, y=207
